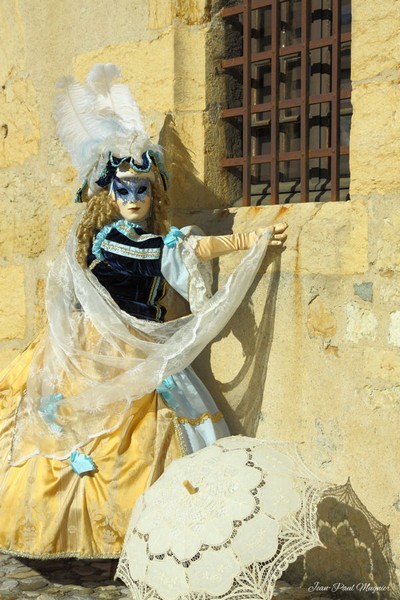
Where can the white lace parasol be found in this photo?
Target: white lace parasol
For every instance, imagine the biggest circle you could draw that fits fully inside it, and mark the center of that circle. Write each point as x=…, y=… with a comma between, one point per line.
x=224, y=522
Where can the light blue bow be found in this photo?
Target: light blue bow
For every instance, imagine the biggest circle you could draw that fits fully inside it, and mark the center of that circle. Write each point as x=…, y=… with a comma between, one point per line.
x=165, y=390
x=48, y=406
x=171, y=239
x=81, y=463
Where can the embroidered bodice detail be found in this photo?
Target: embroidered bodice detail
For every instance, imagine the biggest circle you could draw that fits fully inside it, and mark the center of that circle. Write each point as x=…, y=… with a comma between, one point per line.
x=127, y=262
x=124, y=256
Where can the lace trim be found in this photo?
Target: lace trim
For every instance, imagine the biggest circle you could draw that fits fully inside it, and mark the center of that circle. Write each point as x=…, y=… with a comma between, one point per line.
x=94, y=263
x=123, y=250
x=129, y=230
x=124, y=227
x=203, y=417
x=180, y=437
x=256, y=582
x=200, y=274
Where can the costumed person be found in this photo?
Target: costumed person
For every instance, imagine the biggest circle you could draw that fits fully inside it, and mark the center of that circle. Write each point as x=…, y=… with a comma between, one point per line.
x=96, y=407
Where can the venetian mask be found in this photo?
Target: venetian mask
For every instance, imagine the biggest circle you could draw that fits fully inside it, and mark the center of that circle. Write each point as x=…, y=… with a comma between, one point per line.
x=133, y=196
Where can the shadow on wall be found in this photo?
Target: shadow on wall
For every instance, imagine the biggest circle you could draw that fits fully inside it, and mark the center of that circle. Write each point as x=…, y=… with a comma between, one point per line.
x=241, y=399
x=186, y=189
x=356, y=561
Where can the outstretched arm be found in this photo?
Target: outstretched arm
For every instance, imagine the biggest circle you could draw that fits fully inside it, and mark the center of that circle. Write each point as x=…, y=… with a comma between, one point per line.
x=209, y=247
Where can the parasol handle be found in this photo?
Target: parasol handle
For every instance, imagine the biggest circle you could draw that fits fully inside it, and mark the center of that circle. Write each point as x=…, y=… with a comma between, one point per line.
x=189, y=487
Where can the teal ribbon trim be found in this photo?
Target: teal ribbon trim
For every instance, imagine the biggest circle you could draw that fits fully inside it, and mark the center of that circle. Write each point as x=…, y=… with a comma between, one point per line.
x=48, y=406
x=172, y=238
x=100, y=237
x=82, y=463
x=165, y=390
x=103, y=233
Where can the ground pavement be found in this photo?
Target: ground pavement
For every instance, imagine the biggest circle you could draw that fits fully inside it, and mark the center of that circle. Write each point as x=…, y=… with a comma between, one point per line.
x=70, y=579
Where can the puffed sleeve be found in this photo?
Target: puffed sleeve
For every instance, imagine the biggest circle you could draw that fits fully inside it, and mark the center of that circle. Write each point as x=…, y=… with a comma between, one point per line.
x=182, y=268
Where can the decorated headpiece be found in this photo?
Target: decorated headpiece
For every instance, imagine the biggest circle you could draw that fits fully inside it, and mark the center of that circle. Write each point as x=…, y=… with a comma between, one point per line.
x=100, y=125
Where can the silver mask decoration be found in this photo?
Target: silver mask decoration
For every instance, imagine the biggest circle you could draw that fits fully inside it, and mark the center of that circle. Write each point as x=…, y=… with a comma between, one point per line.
x=132, y=190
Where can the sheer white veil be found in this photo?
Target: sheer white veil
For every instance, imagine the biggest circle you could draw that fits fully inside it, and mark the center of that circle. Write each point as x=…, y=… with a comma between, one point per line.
x=96, y=359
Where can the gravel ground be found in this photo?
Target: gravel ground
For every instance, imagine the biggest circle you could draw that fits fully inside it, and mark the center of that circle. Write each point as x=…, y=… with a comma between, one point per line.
x=83, y=580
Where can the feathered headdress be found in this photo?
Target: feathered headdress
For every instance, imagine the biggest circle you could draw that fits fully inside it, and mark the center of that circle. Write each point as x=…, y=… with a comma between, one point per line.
x=100, y=125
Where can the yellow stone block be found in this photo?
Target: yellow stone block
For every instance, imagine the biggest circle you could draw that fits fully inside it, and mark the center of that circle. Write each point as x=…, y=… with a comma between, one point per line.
x=386, y=240
x=334, y=240
x=387, y=398
x=321, y=321
x=361, y=322
x=12, y=48
x=63, y=186
x=373, y=22
x=40, y=318
x=389, y=287
x=63, y=198
x=12, y=305
x=190, y=69
x=192, y=12
x=19, y=127
x=70, y=174
x=161, y=13
x=147, y=67
x=183, y=136
x=24, y=222
x=375, y=139
x=170, y=75
x=383, y=365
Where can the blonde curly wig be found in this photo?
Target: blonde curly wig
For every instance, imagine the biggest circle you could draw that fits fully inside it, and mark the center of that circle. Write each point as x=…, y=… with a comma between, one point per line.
x=102, y=209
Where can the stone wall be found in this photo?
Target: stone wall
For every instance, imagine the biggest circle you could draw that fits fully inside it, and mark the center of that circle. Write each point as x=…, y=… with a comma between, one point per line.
x=160, y=47
x=314, y=353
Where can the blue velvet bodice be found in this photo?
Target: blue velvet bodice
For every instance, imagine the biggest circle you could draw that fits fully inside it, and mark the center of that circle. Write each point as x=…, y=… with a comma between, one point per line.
x=130, y=269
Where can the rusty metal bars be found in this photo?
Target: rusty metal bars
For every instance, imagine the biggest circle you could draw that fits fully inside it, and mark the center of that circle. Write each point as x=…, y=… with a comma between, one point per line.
x=275, y=41
x=333, y=96
x=304, y=106
x=246, y=102
x=335, y=104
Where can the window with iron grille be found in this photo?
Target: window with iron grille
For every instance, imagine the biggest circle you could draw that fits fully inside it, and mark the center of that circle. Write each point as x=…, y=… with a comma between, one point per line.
x=288, y=114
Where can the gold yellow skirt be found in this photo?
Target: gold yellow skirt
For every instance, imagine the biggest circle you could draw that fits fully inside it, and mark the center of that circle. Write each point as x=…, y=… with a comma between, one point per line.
x=48, y=511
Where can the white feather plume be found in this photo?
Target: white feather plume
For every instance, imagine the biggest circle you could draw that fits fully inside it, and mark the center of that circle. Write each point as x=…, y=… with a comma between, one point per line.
x=98, y=118
x=115, y=100
x=84, y=133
